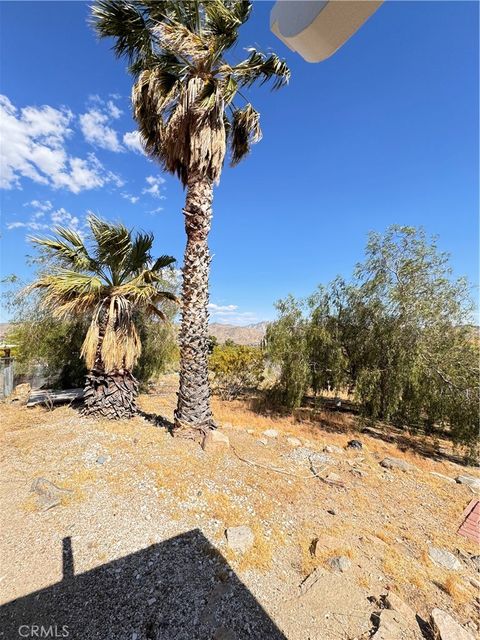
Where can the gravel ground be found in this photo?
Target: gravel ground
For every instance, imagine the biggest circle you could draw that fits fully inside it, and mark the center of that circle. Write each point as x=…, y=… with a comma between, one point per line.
x=136, y=548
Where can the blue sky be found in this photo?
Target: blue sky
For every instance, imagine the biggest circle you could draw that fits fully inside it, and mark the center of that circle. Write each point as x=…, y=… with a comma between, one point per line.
x=385, y=131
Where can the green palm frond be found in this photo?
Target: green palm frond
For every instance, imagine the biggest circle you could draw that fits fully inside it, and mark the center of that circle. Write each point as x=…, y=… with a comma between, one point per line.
x=162, y=262
x=68, y=248
x=259, y=67
x=131, y=28
x=245, y=131
x=113, y=244
x=139, y=254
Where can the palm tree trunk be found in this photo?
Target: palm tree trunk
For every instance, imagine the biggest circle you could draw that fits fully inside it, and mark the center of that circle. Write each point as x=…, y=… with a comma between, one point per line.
x=193, y=416
x=109, y=394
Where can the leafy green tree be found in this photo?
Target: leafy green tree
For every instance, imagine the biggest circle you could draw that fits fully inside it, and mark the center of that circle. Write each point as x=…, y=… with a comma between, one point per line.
x=110, y=280
x=184, y=103
x=287, y=346
x=398, y=336
x=236, y=368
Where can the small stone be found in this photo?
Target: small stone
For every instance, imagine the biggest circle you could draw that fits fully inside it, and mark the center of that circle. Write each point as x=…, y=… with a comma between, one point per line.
x=395, y=463
x=239, y=539
x=215, y=440
x=340, y=563
x=359, y=472
x=471, y=481
x=443, y=558
x=151, y=601
x=101, y=460
x=332, y=512
x=270, y=433
x=294, y=442
x=331, y=448
x=251, y=432
x=446, y=628
x=134, y=636
x=354, y=444
x=335, y=479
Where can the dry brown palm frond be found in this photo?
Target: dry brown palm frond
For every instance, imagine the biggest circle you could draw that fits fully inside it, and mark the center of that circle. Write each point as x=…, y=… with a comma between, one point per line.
x=121, y=345
x=194, y=136
x=90, y=344
x=177, y=38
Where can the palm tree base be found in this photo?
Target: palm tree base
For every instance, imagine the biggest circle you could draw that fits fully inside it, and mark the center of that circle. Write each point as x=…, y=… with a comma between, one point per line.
x=110, y=395
x=189, y=432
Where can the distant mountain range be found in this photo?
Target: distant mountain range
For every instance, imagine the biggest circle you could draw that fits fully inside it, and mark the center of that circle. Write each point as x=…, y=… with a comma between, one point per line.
x=250, y=334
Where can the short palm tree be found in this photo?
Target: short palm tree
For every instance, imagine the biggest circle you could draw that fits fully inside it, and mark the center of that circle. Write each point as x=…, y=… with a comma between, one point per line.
x=111, y=281
x=183, y=101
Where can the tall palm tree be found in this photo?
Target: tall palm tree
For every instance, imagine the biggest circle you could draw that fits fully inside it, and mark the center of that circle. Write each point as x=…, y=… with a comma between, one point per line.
x=183, y=101
x=111, y=280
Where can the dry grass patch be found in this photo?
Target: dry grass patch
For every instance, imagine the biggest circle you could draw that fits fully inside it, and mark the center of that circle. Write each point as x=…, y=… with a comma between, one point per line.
x=456, y=589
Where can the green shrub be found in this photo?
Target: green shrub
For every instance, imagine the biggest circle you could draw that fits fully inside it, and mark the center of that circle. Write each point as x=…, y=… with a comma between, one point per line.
x=236, y=369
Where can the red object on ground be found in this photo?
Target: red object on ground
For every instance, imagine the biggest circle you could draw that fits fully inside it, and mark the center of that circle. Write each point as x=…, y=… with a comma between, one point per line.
x=470, y=527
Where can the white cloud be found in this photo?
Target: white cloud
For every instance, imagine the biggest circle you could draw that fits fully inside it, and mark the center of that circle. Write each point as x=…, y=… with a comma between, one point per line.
x=154, y=183
x=130, y=198
x=57, y=217
x=132, y=141
x=40, y=206
x=226, y=308
x=230, y=314
x=64, y=218
x=156, y=210
x=114, y=111
x=94, y=126
x=34, y=141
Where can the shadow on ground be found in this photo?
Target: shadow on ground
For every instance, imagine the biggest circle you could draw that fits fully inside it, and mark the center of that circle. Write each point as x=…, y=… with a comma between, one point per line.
x=180, y=589
x=157, y=420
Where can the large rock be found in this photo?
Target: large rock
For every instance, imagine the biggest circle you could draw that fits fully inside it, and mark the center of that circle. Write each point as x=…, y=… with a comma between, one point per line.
x=445, y=627
x=240, y=539
x=21, y=393
x=445, y=559
x=393, y=626
x=49, y=495
x=393, y=602
x=215, y=440
x=329, y=605
x=395, y=463
x=294, y=442
x=471, y=481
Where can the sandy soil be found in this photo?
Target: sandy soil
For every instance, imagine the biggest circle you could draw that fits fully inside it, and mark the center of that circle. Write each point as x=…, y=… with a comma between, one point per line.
x=136, y=549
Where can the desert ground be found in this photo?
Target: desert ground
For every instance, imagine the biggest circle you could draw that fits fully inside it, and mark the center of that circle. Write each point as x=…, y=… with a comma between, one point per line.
x=130, y=542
